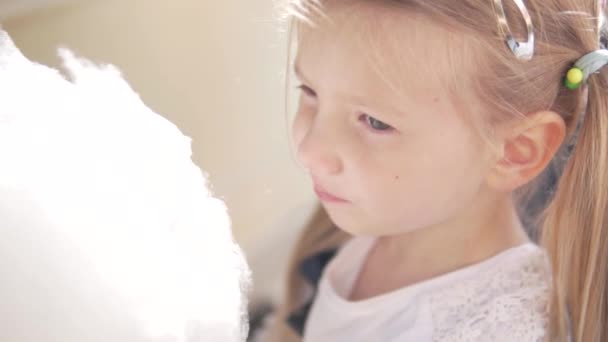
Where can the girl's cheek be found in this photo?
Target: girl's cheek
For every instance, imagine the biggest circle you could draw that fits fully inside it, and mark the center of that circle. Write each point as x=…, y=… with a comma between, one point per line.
x=301, y=125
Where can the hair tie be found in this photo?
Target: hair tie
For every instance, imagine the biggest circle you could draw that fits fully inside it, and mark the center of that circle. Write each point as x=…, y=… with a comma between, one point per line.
x=587, y=65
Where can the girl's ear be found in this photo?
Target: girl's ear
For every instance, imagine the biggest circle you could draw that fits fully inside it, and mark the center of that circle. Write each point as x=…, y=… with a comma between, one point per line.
x=527, y=148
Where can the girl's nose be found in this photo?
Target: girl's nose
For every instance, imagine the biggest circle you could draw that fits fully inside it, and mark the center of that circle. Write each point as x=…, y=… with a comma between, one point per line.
x=317, y=153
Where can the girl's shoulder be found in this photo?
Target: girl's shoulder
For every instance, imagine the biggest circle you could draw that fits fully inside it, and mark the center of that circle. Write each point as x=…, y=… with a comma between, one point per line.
x=506, y=299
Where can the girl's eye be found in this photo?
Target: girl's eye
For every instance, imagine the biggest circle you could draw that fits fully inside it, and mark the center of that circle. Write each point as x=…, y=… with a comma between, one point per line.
x=375, y=124
x=307, y=91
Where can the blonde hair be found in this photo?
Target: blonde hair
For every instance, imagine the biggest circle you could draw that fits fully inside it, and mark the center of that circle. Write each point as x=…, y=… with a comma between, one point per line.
x=319, y=235
x=575, y=223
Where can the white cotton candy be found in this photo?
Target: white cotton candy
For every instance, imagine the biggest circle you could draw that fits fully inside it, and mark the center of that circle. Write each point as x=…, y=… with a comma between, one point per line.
x=108, y=231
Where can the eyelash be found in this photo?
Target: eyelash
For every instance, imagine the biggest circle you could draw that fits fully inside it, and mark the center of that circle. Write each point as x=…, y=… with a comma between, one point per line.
x=306, y=90
x=365, y=118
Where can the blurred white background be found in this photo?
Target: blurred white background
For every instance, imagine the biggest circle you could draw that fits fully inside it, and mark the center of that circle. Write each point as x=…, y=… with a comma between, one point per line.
x=214, y=68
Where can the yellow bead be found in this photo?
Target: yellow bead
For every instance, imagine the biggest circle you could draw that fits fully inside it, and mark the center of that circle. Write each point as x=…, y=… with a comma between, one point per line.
x=575, y=76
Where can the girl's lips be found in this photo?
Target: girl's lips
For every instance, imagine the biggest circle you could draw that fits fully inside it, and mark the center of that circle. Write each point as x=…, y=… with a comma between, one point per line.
x=327, y=197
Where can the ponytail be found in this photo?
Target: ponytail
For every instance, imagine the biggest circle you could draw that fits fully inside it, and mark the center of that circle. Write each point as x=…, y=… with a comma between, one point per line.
x=575, y=230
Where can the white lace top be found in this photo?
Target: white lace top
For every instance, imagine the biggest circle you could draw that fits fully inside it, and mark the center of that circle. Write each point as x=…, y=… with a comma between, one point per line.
x=504, y=298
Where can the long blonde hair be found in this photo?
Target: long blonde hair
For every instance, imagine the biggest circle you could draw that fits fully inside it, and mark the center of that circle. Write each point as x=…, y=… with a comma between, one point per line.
x=575, y=223
x=319, y=235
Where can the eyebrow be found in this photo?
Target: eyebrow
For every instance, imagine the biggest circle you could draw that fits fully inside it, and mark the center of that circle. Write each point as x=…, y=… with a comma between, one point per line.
x=359, y=100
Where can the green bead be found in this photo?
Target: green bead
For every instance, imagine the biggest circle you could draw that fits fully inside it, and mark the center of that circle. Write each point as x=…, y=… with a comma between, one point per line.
x=570, y=85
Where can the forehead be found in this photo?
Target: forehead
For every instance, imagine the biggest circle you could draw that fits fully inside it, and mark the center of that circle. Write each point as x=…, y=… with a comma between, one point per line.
x=396, y=49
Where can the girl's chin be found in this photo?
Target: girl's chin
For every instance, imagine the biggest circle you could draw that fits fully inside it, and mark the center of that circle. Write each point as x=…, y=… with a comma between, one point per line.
x=350, y=223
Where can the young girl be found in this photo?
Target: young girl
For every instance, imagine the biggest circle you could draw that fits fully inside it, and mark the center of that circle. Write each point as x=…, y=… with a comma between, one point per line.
x=423, y=125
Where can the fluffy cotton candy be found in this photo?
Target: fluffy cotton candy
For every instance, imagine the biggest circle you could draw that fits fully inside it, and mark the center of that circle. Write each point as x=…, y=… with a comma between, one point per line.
x=108, y=231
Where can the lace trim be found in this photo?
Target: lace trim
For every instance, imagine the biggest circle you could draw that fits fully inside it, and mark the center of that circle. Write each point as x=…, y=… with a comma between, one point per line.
x=509, y=303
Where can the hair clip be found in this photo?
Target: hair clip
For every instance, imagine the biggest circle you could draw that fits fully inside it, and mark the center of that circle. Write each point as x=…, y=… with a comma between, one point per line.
x=585, y=67
x=521, y=50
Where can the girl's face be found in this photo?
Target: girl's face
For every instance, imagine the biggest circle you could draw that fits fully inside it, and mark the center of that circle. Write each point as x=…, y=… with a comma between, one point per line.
x=386, y=147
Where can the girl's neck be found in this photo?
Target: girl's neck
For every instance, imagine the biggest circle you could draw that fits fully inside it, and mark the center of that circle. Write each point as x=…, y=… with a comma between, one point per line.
x=464, y=241
x=427, y=253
